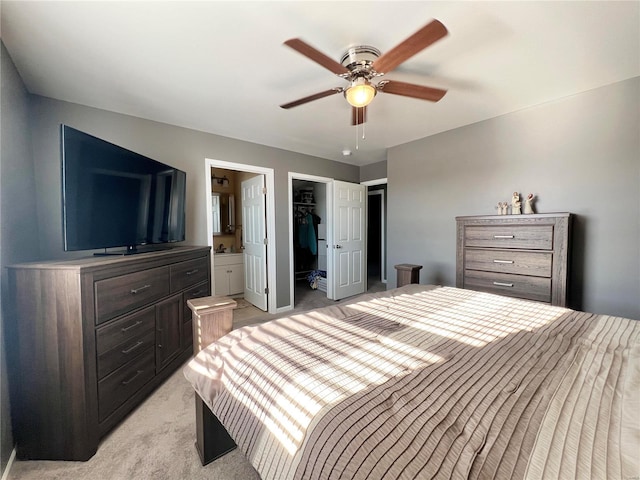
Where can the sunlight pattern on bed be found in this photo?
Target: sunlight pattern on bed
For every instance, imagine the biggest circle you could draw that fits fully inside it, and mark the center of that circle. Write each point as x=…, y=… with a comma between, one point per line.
x=418, y=382
x=287, y=395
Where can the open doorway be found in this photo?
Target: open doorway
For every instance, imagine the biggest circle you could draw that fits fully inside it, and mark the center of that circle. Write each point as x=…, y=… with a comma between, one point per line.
x=309, y=214
x=376, y=235
x=343, y=207
x=228, y=237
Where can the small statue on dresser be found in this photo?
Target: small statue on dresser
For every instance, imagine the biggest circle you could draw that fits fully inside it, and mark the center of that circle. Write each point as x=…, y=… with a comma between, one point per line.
x=528, y=204
x=515, y=204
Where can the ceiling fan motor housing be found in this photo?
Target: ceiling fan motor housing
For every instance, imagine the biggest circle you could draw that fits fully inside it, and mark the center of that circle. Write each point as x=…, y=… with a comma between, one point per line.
x=358, y=60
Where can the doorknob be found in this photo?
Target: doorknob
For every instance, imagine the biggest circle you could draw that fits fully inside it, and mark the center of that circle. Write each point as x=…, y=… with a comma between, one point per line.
x=338, y=246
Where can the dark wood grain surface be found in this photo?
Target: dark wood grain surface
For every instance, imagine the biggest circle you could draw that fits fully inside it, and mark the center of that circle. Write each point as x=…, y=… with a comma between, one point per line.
x=74, y=329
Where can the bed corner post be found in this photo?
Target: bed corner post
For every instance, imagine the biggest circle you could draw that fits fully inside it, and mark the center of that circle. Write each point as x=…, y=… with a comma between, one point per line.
x=212, y=439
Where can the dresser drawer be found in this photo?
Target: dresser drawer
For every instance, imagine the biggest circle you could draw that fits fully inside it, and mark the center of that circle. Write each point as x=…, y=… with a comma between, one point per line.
x=537, y=264
x=521, y=286
x=118, y=295
x=121, y=340
x=191, y=272
x=195, y=292
x=202, y=290
x=115, y=389
x=535, y=237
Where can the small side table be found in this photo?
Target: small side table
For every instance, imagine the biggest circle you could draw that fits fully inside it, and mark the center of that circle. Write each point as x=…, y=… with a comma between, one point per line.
x=408, y=273
x=212, y=318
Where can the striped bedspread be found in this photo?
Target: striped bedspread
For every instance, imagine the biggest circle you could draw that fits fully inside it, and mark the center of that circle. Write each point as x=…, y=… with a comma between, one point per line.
x=423, y=382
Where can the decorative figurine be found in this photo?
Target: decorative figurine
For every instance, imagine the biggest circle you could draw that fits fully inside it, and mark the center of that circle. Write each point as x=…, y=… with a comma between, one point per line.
x=528, y=204
x=505, y=208
x=515, y=204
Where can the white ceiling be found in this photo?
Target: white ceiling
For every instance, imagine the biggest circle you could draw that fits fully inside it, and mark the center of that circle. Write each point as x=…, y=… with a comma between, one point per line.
x=221, y=67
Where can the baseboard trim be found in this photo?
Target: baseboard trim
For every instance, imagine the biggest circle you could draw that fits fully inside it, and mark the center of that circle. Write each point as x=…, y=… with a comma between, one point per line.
x=5, y=474
x=284, y=309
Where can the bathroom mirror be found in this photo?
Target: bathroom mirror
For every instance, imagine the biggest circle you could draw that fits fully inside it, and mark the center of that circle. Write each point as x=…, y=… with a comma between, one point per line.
x=223, y=210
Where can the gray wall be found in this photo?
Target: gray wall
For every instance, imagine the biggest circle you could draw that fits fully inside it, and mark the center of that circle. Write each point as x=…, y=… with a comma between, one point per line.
x=373, y=171
x=580, y=154
x=18, y=228
x=30, y=183
x=180, y=147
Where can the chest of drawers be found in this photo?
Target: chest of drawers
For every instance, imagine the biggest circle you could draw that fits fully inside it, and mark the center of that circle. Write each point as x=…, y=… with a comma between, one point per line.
x=524, y=256
x=93, y=338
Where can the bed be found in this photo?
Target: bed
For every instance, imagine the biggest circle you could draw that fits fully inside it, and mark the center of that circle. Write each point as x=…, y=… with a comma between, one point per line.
x=426, y=382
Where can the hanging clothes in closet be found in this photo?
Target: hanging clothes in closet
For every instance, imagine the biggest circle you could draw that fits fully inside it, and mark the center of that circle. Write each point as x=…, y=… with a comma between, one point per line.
x=306, y=236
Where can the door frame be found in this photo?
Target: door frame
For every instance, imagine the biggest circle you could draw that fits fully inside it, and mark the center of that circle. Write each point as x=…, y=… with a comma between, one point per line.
x=383, y=240
x=383, y=247
x=329, y=222
x=270, y=220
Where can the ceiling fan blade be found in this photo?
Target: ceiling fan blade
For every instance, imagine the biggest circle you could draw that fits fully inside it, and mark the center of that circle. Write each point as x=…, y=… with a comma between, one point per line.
x=358, y=115
x=311, y=98
x=411, y=90
x=420, y=40
x=317, y=56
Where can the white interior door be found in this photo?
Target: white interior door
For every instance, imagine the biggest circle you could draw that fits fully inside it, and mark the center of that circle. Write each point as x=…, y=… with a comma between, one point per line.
x=253, y=242
x=349, y=230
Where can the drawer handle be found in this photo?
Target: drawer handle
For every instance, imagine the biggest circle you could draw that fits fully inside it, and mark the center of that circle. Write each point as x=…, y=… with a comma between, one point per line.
x=131, y=349
x=191, y=272
x=503, y=261
x=126, y=329
x=127, y=382
x=503, y=284
x=141, y=289
x=503, y=236
x=197, y=293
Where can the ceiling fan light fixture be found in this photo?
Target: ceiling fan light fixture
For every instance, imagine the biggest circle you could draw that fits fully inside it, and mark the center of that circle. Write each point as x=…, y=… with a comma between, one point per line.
x=360, y=93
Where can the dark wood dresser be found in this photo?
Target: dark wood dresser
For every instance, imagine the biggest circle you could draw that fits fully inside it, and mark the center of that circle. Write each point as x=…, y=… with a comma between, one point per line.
x=93, y=337
x=524, y=256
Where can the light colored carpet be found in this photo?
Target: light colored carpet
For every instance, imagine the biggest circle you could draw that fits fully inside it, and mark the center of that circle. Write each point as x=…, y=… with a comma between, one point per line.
x=305, y=299
x=157, y=440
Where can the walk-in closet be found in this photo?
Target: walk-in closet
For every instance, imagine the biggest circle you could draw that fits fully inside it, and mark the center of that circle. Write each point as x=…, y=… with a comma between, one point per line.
x=309, y=237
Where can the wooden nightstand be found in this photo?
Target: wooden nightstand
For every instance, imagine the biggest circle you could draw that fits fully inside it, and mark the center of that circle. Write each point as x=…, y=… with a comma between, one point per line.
x=212, y=318
x=408, y=273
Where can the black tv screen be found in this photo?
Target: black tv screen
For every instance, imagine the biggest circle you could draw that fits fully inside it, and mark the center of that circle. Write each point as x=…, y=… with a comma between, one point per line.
x=113, y=197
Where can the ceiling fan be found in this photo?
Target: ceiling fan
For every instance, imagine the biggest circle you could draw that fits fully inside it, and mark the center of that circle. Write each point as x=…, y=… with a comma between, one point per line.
x=360, y=65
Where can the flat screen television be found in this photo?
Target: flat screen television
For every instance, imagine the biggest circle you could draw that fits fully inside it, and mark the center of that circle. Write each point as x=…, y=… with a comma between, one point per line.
x=113, y=197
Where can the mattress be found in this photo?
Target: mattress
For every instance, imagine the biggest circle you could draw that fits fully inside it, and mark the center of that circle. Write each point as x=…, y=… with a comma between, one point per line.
x=423, y=382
